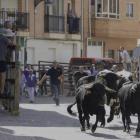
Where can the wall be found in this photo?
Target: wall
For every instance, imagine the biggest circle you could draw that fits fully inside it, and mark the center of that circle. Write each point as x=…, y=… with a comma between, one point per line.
x=9, y=4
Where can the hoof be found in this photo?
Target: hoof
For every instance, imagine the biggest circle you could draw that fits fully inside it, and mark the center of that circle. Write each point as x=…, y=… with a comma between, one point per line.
x=102, y=125
x=124, y=130
x=92, y=130
x=82, y=128
x=109, y=120
x=128, y=131
x=87, y=127
x=137, y=133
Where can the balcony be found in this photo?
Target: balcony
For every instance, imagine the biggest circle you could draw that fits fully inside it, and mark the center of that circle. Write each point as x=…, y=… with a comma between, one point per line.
x=54, y=27
x=73, y=28
x=20, y=21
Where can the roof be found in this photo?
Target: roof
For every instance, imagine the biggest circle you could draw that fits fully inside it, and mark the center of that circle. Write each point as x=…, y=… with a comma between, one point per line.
x=91, y=58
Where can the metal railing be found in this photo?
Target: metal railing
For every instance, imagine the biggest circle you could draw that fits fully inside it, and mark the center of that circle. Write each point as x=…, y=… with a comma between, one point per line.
x=74, y=24
x=20, y=20
x=54, y=23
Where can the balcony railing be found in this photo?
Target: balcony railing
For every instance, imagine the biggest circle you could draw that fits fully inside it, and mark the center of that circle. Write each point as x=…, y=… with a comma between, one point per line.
x=73, y=23
x=54, y=23
x=20, y=20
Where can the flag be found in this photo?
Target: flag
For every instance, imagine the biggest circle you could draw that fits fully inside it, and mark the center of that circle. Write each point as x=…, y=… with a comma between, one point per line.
x=37, y=2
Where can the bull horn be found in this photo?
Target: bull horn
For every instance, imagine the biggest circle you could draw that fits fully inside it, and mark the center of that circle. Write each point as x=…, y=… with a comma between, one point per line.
x=111, y=90
x=134, y=87
x=103, y=75
x=88, y=87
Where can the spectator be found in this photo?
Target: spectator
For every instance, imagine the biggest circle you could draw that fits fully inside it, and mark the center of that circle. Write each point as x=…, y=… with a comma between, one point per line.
x=115, y=68
x=95, y=72
x=71, y=72
x=26, y=73
x=4, y=41
x=22, y=81
x=34, y=71
x=56, y=75
x=7, y=25
x=87, y=71
x=104, y=64
x=31, y=83
x=125, y=57
x=44, y=85
x=78, y=75
x=71, y=16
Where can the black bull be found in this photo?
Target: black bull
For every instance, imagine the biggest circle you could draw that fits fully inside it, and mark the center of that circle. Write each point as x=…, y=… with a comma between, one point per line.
x=129, y=96
x=90, y=100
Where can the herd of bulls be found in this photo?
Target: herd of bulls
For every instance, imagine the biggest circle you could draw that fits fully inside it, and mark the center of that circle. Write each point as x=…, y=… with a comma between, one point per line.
x=118, y=90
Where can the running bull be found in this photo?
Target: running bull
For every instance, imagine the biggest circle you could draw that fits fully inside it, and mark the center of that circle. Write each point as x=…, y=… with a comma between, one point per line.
x=109, y=79
x=129, y=96
x=90, y=100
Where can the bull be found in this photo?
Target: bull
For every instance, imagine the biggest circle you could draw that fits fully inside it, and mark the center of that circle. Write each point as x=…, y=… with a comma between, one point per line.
x=85, y=80
x=90, y=100
x=109, y=79
x=129, y=96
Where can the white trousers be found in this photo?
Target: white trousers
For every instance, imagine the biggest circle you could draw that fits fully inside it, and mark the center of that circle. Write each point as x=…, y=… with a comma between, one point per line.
x=31, y=93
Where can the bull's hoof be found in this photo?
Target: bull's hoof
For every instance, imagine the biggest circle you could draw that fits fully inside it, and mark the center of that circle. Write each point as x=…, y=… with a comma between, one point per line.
x=87, y=127
x=124, y=130
x=109, y=120
x=102, y=125
x=82, y=128
x=137, y=133
x=128, y=131
x=92, y=130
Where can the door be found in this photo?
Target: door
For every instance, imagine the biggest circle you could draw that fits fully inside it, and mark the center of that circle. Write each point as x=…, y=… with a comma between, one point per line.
x=30, y=55
x=51, y=54
x=95, y=49
x=67, y=53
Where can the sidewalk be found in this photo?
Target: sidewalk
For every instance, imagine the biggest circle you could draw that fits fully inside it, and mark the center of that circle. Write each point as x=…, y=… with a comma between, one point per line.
x=33, y=118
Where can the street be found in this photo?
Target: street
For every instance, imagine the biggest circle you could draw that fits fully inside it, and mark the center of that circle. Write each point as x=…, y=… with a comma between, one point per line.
x=44, y=121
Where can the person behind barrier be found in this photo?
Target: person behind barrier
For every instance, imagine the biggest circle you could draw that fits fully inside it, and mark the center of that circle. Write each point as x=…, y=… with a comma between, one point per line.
x=4, y=41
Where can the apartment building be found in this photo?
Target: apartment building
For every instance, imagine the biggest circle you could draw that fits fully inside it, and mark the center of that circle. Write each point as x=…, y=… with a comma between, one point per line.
x=44, y=31
x=113, y=23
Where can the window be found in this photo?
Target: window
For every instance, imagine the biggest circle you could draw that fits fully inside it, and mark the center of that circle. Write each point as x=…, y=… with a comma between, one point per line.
x=110, y=53
x=129, y=10
x=105, y=9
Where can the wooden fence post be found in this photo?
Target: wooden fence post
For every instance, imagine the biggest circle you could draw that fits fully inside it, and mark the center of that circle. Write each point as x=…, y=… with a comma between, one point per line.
x=17, y=79
x=62, y=84
x=139, y=67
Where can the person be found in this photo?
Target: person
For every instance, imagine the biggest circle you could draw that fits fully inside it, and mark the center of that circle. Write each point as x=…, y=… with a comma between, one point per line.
x=34, y=71
x=4, y=41
x=71, y=16
x=44, y=85
x=87, y=71
x=26, y=73
x=78, y=75
x=125, y=57
x=115, y=68
x=22, y=81
x=71, y=72
x=7, y=25
x=56, y=75
x=104, y=65
x=31, y=83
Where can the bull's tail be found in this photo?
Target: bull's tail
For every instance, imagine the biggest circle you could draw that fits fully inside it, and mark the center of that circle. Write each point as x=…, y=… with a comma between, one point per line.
x=70, y=111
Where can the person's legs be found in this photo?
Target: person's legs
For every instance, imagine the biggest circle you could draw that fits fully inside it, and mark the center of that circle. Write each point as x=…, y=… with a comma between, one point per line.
x=2, y=81
x=56, y=96
x=6, y=88
x=128, y=65
x=45, y=87
x=41, y=89
x=21, y=90
x=31, y=93
x=70, y=26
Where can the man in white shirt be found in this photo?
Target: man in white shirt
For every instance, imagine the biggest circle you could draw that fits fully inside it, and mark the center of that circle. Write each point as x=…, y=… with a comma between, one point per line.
x=125, y=56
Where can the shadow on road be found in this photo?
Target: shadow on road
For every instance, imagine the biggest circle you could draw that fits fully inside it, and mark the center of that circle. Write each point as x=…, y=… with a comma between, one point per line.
x=105, y=136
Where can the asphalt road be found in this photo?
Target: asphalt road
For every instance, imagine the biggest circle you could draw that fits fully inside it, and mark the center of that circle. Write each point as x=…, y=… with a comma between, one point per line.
x=44, y=121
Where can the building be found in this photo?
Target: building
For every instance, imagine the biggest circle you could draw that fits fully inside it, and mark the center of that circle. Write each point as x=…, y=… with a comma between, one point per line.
x=44, y=31
x=113, y=23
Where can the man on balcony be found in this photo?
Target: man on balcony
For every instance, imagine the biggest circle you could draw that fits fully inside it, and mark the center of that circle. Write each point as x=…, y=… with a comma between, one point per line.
x=7, y=25
x=71, y=16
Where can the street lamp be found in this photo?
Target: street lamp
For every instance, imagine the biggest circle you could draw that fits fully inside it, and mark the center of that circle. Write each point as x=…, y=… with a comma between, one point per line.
x=49, y=3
